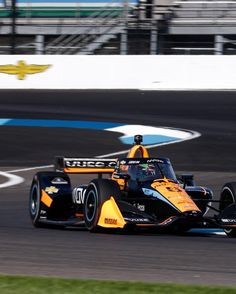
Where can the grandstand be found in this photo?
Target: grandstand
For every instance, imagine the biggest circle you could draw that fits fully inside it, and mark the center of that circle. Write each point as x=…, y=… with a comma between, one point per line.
x=118, y=26
x=207, y=25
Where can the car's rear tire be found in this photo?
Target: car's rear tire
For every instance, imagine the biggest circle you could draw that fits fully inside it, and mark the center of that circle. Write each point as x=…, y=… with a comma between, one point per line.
x=228, y=196
x=61, y=207
x=35, y=203
x=97, y=192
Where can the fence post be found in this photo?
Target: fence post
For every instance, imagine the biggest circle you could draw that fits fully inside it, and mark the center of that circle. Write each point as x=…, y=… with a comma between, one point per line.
x=219, y=45
x=39, y=44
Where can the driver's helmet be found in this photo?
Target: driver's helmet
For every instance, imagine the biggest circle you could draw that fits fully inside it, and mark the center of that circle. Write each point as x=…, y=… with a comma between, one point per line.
x=147, y=169
x=124, y=168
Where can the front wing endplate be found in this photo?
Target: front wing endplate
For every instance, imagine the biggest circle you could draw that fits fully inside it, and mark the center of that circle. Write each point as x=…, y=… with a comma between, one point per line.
x=111, y=216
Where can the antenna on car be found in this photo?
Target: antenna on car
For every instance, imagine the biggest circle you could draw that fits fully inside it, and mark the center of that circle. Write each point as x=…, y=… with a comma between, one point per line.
x=138, y=139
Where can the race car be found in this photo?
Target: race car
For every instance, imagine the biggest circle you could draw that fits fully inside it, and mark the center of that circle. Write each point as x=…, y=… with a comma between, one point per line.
x=137, y=191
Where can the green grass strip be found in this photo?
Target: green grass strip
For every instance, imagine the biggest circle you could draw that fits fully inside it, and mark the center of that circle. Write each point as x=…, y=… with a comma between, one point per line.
x=34, y=285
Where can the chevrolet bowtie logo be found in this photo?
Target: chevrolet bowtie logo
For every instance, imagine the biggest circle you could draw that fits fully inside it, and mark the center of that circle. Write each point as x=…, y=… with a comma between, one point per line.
x=51, y=190
x=22, y=69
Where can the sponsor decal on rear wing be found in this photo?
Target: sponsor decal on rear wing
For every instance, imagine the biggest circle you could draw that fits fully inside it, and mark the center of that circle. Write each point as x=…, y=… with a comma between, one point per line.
x=85, y=165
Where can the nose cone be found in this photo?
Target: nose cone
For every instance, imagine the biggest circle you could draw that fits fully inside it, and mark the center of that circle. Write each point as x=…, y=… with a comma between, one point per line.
x=175, y=195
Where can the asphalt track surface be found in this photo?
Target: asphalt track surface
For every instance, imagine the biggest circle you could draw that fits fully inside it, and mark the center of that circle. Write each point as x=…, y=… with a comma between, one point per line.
x=190, y=258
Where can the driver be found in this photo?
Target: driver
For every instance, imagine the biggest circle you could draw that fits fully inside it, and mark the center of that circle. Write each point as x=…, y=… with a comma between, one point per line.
x=147, y=170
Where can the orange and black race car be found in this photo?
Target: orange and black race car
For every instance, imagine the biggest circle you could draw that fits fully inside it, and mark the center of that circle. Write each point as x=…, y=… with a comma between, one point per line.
x=139, y=192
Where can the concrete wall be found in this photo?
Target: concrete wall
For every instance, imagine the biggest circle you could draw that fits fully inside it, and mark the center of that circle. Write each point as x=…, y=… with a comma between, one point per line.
x=118, y=72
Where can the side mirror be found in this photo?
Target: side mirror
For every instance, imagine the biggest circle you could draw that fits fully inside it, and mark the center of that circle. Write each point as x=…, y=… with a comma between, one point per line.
x=186, y=180
x=125, y=177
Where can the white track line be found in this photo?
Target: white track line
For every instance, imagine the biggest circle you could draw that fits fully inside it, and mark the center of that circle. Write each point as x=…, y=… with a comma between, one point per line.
x=29, y=168
x=194, y=136
x=12, y=180
x=15, y=180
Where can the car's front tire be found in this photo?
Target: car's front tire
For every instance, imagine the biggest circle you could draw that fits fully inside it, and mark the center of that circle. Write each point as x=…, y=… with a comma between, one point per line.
x=97, y=192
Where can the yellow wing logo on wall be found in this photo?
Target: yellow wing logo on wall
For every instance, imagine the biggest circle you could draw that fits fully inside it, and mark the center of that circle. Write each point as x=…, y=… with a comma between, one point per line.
x=21, y=69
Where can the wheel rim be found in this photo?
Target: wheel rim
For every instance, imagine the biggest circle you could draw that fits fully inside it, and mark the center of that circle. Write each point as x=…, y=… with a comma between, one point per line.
x=34, y=200
x=91, y=204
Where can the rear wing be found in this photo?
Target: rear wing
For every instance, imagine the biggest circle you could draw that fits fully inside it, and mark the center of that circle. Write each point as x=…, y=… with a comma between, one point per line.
x=85, y=165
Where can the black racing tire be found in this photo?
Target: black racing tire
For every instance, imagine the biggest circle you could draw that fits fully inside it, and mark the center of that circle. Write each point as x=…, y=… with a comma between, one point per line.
x=228, y=196
x=35, y=202
x=97, y=192
x=36, y=207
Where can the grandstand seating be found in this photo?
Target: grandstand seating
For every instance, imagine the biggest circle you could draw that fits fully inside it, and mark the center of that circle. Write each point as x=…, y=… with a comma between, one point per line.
x=208, y=25
x=200, y=10
x=84, y=26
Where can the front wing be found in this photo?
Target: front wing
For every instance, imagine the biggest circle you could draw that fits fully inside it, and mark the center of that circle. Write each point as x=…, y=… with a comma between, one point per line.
x=120, y=214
